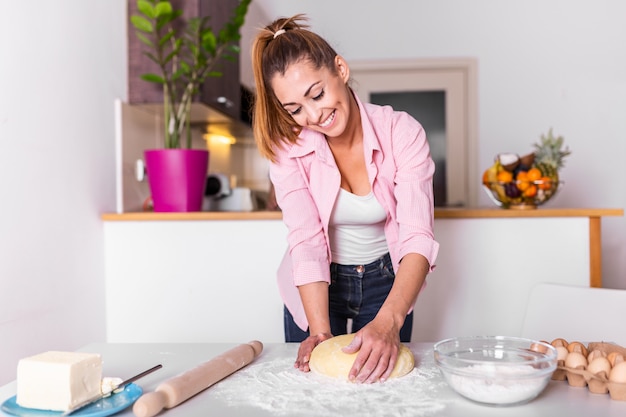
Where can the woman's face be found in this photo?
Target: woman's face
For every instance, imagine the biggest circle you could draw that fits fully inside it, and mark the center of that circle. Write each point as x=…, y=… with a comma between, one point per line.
x=317, y=99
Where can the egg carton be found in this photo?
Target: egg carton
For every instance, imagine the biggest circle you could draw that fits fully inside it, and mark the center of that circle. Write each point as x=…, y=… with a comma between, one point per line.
x=599, y=366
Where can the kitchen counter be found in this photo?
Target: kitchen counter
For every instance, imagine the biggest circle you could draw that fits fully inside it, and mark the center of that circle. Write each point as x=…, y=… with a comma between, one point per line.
x=270, y=386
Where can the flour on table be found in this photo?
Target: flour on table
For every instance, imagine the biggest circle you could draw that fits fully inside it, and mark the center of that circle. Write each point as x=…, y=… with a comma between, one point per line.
x=277, y=387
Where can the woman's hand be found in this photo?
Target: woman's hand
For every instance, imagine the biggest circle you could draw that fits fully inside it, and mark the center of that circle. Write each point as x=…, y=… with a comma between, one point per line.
x=305, y=349
x=378, y=346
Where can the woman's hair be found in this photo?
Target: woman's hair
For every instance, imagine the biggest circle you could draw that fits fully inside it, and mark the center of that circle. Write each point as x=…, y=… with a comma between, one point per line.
x=277, y=46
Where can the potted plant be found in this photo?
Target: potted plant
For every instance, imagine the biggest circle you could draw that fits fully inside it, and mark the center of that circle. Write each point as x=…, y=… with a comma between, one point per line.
x=186, y=53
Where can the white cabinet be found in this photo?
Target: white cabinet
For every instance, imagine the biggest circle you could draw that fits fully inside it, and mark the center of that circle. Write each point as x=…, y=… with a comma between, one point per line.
x=486, y=268
x=193, y=281
x=208, y=280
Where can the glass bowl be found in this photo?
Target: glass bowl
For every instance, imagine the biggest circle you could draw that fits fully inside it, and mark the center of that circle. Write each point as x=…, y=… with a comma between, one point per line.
x=521, y=195
x=496, y=370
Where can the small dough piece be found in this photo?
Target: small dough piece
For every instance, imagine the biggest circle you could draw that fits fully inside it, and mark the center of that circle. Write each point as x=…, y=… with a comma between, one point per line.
x=328, y=359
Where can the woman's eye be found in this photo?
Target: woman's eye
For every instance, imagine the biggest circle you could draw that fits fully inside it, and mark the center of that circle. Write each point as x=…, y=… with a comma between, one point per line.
x=296, y=111
x=319, y=96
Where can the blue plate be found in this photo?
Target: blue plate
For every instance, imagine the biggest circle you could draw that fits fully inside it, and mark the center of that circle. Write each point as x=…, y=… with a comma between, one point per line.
x=104, y=407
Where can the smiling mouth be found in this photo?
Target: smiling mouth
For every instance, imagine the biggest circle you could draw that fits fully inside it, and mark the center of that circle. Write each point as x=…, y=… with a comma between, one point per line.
x=328, y=121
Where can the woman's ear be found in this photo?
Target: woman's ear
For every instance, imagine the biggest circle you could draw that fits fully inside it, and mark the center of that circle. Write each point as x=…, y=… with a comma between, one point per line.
x=342, y=68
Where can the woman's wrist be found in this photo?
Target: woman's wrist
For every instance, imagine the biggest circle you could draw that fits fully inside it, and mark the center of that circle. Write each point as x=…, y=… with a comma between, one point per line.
x=391, y=319
x=322, y=336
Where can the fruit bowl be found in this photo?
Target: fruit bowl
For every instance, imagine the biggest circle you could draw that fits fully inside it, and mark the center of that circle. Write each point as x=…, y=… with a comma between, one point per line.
x=496, y=370
x=520, y=183
x=522, y=194
x=530, y=180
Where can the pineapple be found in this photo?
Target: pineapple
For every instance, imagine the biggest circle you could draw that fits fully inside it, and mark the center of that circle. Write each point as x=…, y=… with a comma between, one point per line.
x=549, y=155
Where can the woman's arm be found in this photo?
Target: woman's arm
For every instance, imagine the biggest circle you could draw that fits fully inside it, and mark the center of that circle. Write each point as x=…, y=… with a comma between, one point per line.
x=409, y=280
x=308, y=251
x=315, y=300
x=378, y=343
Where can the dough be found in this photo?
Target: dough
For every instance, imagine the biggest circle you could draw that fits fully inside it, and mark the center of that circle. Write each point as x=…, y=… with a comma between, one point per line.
x=328, y=359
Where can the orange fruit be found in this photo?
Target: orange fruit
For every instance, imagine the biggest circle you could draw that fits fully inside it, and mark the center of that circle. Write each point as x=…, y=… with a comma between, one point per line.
x=521, y=180
x=545, y=183
x=534, y=174
x=505, y=176
x=523, y=185
x=531, y=191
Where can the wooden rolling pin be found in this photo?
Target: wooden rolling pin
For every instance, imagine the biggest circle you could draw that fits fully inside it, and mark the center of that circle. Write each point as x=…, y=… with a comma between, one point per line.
x=184, y=386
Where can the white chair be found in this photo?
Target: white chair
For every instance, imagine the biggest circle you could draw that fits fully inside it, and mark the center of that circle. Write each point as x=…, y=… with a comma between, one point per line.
x=575, y=313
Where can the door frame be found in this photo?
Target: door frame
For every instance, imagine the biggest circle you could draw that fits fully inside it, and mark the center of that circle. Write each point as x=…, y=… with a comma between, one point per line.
x=458, y=77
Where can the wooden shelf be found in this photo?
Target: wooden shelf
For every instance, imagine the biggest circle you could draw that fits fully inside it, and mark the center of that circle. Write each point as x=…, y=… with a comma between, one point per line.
x=445, y=213
x=194, y=216
x=464, y=213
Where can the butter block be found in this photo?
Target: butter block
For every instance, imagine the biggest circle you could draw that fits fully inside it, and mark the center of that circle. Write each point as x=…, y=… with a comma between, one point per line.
x=58, y=381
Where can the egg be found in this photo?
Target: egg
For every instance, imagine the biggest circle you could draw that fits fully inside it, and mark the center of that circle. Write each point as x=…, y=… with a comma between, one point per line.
x=599, y=364
x=618, y=373
x=539, y=347
x=561, y=352
x=596, y=353
x=575, y=359
x=615, y=358
x=577, y=347
x=559, y=342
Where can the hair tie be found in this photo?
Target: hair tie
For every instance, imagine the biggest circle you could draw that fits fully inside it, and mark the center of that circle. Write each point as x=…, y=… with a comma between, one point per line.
x=279, y=32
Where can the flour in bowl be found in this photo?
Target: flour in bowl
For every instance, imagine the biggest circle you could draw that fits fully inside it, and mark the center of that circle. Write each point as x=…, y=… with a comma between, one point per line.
x=498, y=389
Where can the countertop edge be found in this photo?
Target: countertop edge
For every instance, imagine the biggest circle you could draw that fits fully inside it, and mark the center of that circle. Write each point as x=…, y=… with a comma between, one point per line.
x=193, y=216
x=442, y=213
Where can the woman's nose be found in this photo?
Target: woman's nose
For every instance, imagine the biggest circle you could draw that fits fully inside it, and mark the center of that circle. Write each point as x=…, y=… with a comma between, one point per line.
x=314, y=115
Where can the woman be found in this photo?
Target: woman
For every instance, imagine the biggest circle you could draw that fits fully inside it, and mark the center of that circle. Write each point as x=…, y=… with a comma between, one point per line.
x=354, y=183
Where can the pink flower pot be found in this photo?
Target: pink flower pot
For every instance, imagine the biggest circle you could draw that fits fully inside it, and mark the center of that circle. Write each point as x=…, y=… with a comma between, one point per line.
x=177, y=178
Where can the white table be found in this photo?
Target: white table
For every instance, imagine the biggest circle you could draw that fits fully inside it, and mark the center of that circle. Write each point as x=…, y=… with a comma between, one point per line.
x=271, y=387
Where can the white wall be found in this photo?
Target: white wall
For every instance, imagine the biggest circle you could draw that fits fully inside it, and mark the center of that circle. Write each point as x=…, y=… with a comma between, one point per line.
x=61, y=66
x=541, y=64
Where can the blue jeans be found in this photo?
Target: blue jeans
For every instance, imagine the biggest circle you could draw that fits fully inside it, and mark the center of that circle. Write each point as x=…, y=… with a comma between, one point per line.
x=356, y=292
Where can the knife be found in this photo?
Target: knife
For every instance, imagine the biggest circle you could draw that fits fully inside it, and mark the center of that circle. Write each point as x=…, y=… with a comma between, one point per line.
x=114, y=390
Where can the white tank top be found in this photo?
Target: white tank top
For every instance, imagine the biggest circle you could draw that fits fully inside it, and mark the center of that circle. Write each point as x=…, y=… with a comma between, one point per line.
x=356, y=229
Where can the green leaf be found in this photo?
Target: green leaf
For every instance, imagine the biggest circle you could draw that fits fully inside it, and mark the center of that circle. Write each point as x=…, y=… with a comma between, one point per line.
x=163, y=8
x=152, y=58
x=193, y=49
x=142, y=24
x=166, y=38
x=144, y=39
x=153, y=78
x=209, y=42
x=169, y=57
x=168, y=18
x=146, y=8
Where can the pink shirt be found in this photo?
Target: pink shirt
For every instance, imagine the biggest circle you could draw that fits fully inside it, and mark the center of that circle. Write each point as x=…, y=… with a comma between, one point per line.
x=307, y=181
